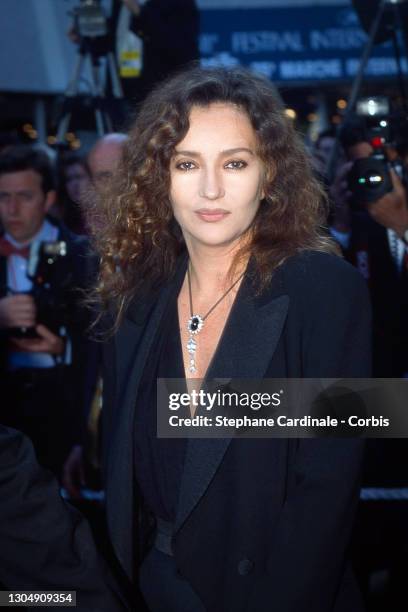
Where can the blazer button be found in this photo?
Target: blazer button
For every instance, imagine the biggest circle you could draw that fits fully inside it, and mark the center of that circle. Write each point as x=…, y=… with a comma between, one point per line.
x=245, y=566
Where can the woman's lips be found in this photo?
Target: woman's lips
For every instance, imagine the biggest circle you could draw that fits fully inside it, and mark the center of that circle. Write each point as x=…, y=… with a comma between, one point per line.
x=211, y=216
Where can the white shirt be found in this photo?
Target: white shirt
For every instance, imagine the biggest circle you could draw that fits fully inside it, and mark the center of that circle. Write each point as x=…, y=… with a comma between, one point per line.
x=18, y=282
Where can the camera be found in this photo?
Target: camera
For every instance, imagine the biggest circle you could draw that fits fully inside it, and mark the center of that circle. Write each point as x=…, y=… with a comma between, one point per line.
x=50, y=287
x=369, y=179
x=90, y=20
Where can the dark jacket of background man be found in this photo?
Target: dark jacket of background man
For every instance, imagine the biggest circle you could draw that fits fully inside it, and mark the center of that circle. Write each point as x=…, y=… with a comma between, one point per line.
x=45, y=544
x=169, y=30
x=56, y=409
x=44, y=400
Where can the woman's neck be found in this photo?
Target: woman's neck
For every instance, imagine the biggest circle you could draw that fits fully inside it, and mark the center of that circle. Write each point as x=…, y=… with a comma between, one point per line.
x=210, y=268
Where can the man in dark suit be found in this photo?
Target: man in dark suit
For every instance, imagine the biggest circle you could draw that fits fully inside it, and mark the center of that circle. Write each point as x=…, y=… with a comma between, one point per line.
x=169, y=30
x=45, y=544
x=374, y=238
x=42, y=325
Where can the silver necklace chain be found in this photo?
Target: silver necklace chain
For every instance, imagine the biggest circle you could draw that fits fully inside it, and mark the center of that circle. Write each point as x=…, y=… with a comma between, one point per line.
x=196, y=322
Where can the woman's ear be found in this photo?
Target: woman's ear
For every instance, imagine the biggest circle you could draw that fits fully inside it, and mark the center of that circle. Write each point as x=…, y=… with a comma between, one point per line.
x=270, y=173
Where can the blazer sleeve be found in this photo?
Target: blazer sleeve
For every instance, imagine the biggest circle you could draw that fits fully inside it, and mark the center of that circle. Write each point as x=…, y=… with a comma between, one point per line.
x=45, y=544
x=308, y=557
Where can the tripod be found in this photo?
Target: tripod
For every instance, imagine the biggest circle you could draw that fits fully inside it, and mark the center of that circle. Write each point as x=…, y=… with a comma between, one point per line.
x=379, y=31
x=89, y=55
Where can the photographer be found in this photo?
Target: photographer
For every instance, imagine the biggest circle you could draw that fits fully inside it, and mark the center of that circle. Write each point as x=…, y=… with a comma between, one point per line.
x=41, y=323
x=373, y=234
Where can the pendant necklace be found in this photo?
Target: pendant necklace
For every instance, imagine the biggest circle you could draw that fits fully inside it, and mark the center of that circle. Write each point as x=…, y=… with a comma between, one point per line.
x=196, y=322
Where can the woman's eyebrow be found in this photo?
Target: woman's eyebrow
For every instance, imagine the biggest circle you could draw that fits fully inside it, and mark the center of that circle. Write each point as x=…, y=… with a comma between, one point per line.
x=224, y=152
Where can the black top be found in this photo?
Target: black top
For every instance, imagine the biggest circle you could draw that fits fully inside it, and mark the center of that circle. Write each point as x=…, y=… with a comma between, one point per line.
x=159, y=461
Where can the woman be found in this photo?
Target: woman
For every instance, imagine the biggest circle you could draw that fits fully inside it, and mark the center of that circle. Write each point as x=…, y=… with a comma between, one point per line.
x=73, y=183
x=215, y=211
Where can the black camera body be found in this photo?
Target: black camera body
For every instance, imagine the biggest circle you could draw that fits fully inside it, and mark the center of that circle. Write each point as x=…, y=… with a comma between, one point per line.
x=90, y=20
x=369, y=178
x=51, y=281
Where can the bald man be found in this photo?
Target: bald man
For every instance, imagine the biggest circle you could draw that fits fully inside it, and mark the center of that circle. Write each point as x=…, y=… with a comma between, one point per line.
x=104, y=157
x=102, y=161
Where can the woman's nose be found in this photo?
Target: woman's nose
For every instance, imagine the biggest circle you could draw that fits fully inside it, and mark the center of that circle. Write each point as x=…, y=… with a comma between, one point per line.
x=13, y=206
x=211, y=186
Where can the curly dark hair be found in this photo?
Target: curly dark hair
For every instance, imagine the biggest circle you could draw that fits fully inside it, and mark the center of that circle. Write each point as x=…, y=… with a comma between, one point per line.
x=136, y=235
x=20, y=157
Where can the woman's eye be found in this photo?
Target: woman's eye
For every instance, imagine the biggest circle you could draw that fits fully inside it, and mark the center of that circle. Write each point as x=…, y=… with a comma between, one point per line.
x=236, y=165
x=186, y=165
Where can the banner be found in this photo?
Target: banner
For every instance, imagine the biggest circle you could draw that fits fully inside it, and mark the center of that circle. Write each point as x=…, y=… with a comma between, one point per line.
x=296, y=45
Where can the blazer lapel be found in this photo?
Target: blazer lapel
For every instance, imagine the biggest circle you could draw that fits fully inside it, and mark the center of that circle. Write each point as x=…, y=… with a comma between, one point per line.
x=245, y=350
x=251, y=319
x=132, y=345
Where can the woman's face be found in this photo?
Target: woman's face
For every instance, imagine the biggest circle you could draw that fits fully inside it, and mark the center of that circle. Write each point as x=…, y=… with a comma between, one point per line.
x=76, y=181
x=216, y=177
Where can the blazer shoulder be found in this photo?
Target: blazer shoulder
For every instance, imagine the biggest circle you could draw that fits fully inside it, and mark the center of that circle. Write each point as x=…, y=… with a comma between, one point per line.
x=324, y=285
x=315, y=271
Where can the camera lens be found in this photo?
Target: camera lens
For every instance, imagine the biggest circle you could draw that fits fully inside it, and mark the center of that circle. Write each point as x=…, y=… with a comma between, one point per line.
x=370, y=179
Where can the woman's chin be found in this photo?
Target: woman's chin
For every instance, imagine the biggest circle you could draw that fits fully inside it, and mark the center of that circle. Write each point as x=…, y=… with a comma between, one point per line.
x=213, y=242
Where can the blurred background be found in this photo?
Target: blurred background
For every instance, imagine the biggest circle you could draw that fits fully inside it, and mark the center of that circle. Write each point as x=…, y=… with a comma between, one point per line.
x=310, y=49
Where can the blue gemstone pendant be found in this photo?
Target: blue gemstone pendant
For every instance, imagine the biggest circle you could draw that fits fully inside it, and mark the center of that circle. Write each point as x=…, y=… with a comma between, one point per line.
x=195, y=324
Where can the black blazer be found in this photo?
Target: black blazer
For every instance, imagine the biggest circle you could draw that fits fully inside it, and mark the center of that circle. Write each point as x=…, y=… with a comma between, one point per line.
x=261, y=524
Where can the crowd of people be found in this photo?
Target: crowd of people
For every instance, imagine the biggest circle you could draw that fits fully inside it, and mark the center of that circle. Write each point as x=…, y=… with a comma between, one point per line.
x=74, y=224
x=371, y=231
x=45, y=351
